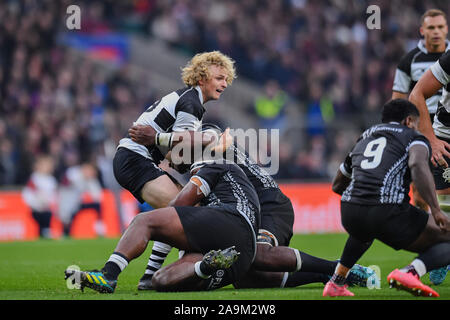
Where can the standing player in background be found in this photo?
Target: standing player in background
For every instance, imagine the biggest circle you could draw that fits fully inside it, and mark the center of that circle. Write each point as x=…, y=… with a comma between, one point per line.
x=374, y=183
x=433, y=80
x=40, y=194
x=136, y=169
x=80, y=189
x=433, y=29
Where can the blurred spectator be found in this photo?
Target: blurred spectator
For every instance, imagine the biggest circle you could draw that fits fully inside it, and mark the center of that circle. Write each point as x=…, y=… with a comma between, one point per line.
x=40, y=194
x=269, y=108
x=80, y=190
x=320, y=53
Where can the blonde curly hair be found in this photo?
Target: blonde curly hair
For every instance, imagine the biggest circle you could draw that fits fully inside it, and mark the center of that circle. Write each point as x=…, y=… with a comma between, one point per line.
x=197, y=68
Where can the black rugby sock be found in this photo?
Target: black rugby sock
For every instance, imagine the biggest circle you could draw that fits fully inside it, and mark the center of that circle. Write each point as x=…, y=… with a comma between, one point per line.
x=116, y=263
x=316, y=265
x=300, y=278
x=436, y=256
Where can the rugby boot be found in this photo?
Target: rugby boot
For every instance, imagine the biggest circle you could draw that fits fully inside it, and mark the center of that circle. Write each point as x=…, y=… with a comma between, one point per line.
x=437, y=276
x=363, y=277
x=92, y=279
x=220, y=259
x=411, y=283
x=333, y=290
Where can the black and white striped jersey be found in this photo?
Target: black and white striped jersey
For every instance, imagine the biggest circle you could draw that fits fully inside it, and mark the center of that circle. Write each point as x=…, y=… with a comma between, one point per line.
x=378, y=165
x=441, y=71
x=411, y=67
x=225, y=185
x=180, y=110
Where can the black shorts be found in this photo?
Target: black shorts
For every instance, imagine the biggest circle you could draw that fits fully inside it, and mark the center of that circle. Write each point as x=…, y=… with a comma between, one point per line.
x=212, y=228
x=133, y=171
x=278, y=218
x=398, y=226
x=441, y=174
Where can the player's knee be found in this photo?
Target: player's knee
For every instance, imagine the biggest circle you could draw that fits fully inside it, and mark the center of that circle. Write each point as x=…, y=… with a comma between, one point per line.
x=142, y=220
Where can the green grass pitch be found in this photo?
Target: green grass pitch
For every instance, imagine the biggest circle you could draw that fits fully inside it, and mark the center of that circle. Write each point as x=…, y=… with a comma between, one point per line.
x=35, y=270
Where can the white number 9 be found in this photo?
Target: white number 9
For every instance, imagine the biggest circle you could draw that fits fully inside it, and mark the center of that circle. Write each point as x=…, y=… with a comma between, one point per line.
x=374, y=150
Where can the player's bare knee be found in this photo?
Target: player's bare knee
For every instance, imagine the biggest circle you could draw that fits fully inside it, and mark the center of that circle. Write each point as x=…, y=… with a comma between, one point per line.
x=143, y=220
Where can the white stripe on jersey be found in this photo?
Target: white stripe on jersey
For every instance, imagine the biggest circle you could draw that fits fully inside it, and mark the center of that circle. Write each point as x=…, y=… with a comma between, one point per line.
x=186, y=121
x=344, y=172
x=402, y=81
x=440, y=74
x=166, y=107
x=444, y=78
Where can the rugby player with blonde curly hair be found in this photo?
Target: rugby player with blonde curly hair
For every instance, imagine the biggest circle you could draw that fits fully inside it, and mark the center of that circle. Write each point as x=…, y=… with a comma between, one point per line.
x=206, y=76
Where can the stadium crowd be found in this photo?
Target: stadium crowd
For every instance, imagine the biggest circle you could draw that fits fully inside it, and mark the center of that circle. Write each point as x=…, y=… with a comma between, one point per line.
x=319, y=52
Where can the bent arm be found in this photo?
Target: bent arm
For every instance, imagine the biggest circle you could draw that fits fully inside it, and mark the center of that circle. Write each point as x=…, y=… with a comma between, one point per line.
x=399, y=95
x=427, y=86
x=147, y=136
x=340, y=182
x=422, y=176
x=343, y=176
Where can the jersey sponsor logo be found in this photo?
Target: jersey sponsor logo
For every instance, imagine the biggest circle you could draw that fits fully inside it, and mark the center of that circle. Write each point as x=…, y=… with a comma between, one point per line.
x=446, y=175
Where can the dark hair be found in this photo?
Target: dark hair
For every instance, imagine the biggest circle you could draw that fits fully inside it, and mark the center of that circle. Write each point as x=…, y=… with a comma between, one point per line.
x=398, y=110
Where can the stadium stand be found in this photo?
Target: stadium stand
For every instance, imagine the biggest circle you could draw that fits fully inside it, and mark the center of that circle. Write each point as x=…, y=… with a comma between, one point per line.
x=336, y=72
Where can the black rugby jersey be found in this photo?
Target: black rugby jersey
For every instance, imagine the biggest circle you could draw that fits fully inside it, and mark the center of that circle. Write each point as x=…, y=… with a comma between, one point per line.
x=180, y=110
x=226, y=185
x=411, y=67
x=378, y=165
x=265, y=186
x=441, y=71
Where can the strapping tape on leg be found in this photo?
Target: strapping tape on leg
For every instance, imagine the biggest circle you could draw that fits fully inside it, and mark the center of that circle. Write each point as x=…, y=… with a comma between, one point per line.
x=265, y=236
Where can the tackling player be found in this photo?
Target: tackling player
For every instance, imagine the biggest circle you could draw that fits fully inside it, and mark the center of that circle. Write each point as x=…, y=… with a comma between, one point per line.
x=136, y=169
x=413, y=65
x=274, y=260
x=433, y=80
x=228, y=219
x=374, y=183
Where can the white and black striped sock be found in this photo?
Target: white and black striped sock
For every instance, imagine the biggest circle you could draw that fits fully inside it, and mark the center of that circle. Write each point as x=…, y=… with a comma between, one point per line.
x=159, y=253
x=114, y=266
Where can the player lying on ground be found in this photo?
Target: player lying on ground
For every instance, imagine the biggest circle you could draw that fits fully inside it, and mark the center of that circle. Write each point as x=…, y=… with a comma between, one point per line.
x=374, y=183
x=228, y=217
x=274, y=260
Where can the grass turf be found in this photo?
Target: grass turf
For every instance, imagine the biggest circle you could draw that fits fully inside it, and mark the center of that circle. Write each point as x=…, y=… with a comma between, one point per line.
x=35, y=271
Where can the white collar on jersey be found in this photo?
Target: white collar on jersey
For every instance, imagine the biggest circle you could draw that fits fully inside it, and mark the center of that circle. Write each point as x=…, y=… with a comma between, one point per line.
x=422, y=47
x=200, y=94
